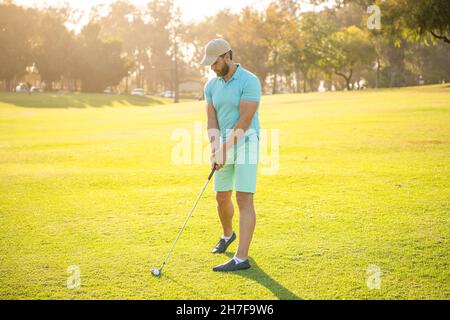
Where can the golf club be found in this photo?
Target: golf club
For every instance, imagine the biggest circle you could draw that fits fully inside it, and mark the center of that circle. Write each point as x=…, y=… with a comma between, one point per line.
x=157, y=272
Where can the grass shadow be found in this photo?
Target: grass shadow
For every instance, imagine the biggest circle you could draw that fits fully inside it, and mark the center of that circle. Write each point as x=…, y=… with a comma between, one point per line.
x=190, y=289
x=256, y=274
x=77, y=100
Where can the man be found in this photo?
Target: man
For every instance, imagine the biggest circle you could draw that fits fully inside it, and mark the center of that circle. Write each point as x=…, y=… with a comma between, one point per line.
x=232, y=110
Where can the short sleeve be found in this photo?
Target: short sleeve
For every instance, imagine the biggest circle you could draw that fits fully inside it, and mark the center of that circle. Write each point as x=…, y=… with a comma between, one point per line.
x=252, y=90
x=207, y=92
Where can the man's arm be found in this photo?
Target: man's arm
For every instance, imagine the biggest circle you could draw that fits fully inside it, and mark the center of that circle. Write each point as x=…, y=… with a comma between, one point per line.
x=250, y=97
x=246, y=113
x=213, y=127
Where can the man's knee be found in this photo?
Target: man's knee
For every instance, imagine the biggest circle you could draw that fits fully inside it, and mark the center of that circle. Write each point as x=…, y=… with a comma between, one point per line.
x=223, y=198
x=244, y=199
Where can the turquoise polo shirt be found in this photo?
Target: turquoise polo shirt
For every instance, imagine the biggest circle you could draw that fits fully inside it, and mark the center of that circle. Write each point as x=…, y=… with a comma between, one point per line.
x=226, y=98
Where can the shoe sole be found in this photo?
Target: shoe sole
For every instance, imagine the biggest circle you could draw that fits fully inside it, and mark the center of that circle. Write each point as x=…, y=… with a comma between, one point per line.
x=244, y=268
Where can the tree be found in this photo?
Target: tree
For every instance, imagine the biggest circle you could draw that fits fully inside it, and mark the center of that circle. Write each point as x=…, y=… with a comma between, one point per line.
x=175, y=27
x=350, y=48
x=100, y=63
x=16, y=34
x=197, y=34
x=315, y=29
x=53, y=45
x=124, y=23
x=430, y=16
x=159, y=37
x=274, y=31
x=246, y=35
x=414, y=18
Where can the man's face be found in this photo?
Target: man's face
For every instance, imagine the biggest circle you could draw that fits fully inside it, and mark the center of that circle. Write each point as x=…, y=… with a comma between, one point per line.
x=220, y=67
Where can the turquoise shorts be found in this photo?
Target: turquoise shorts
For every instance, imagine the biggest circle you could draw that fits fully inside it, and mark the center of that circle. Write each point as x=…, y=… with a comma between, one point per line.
x=241, y=166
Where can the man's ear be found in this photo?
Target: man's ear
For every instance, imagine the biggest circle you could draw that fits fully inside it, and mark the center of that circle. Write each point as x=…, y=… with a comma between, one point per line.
x=227, y=57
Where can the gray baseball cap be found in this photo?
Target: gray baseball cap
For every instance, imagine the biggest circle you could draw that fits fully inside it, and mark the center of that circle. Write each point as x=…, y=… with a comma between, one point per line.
x=213, y=50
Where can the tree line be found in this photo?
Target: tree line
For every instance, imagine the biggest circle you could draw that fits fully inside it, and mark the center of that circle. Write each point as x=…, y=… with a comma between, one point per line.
x=387, y=43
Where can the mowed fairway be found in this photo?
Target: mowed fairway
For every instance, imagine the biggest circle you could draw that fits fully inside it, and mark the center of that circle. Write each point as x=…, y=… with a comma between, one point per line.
x=363, y=181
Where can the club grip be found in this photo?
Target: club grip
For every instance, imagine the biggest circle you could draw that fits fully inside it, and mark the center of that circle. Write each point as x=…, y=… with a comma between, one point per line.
x=212, y=172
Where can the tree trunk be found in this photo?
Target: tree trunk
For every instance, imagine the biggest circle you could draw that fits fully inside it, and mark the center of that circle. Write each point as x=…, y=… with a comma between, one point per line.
x=440, y=37
x=175, y=76
x=347, y=79
x=8, y=85
x=297, y=81
x=377, y=79
x=274, y=86
x=305, y=79
x=396, y=56
x=393, y=78
x=330, y=81
x=275, y=69
x=263, y=84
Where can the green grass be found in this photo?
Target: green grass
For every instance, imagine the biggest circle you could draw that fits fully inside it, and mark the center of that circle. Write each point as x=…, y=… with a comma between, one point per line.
x=78, y=100
x=363, y=179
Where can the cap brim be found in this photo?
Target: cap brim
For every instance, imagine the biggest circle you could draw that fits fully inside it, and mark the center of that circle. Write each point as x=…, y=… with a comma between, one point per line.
x=208, y=60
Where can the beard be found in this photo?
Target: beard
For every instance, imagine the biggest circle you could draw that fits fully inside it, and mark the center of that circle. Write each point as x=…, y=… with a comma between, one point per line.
x=223, y=71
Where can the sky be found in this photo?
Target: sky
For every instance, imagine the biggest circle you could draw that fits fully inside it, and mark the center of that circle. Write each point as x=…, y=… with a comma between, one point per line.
x=192, y=10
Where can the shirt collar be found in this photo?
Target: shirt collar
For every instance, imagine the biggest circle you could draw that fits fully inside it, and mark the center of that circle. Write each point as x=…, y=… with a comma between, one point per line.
x=238, y=71
x=236, y=74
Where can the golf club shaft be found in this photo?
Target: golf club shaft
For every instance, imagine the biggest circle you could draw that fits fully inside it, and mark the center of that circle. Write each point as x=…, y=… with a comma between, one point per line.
x=190, y=213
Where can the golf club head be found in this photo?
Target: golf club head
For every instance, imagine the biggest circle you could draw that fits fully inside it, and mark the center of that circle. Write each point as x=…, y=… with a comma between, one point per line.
x=156, y=272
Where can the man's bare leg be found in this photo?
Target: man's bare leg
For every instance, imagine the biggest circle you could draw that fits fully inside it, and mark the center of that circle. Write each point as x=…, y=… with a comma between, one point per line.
x=225, y=209
x=247, y=222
